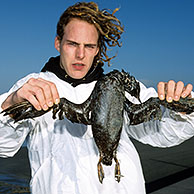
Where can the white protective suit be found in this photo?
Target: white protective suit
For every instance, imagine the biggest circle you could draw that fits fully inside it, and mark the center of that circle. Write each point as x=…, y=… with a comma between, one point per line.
x=63, y=155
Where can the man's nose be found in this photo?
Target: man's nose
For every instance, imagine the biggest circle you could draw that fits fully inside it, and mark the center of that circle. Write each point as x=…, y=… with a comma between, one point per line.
x=80, y=52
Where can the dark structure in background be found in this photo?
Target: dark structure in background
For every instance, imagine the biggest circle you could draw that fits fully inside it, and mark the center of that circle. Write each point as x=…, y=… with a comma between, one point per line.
x=163, y=167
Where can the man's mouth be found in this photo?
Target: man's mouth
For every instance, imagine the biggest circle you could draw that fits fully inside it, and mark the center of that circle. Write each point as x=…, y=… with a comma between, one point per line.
x=78, y=66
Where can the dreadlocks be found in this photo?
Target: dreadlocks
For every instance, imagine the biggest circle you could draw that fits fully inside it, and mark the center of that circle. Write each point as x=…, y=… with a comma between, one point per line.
x=108, y=26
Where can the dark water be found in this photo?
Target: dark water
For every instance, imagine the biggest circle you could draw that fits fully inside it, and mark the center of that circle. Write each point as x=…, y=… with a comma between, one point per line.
x=15, y=173
x=12, y=185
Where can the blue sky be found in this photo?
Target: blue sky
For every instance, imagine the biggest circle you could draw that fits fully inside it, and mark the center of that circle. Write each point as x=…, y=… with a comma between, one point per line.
x=158, y=42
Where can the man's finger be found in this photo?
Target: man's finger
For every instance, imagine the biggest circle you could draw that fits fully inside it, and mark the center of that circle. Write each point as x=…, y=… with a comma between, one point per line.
x=187, y=91
x=161, y=90
x=178, y=90
x=171, y=85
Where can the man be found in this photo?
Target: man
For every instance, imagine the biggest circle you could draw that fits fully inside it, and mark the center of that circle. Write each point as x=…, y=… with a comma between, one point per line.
x=63, y=155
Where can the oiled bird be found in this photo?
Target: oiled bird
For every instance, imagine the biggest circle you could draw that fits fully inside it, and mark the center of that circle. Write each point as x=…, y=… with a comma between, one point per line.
x=103, y=110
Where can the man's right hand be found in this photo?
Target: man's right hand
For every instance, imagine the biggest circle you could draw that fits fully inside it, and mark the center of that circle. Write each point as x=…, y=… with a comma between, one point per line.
x=39, y=92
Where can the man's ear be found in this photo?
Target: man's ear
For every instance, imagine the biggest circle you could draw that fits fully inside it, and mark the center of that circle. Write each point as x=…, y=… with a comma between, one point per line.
x=57, y=43
x=97, y=50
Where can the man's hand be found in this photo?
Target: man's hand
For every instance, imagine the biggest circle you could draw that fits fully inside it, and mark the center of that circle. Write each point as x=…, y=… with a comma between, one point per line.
x=173, y=91
x=39, y=92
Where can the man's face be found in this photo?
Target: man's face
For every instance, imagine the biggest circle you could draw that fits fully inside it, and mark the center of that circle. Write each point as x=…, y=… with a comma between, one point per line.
x=78, y=47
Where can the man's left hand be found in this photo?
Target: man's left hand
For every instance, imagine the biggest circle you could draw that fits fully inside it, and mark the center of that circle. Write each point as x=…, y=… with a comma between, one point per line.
x=173, y=91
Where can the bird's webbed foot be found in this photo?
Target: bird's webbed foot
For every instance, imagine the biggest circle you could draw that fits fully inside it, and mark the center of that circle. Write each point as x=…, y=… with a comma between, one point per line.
x=117, y=169
x=139, y=113
x=100, y=170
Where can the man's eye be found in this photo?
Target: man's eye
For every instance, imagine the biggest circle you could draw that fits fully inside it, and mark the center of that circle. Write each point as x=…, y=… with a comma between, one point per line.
x=90, y=46
x=72, y=43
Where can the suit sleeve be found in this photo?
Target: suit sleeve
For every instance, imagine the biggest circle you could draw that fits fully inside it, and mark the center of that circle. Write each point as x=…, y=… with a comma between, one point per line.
x=173, y=129
x=12, y=135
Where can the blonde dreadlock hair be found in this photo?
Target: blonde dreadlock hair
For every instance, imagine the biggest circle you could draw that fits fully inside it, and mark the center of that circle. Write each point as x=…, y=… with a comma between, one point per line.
x=107, y=25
